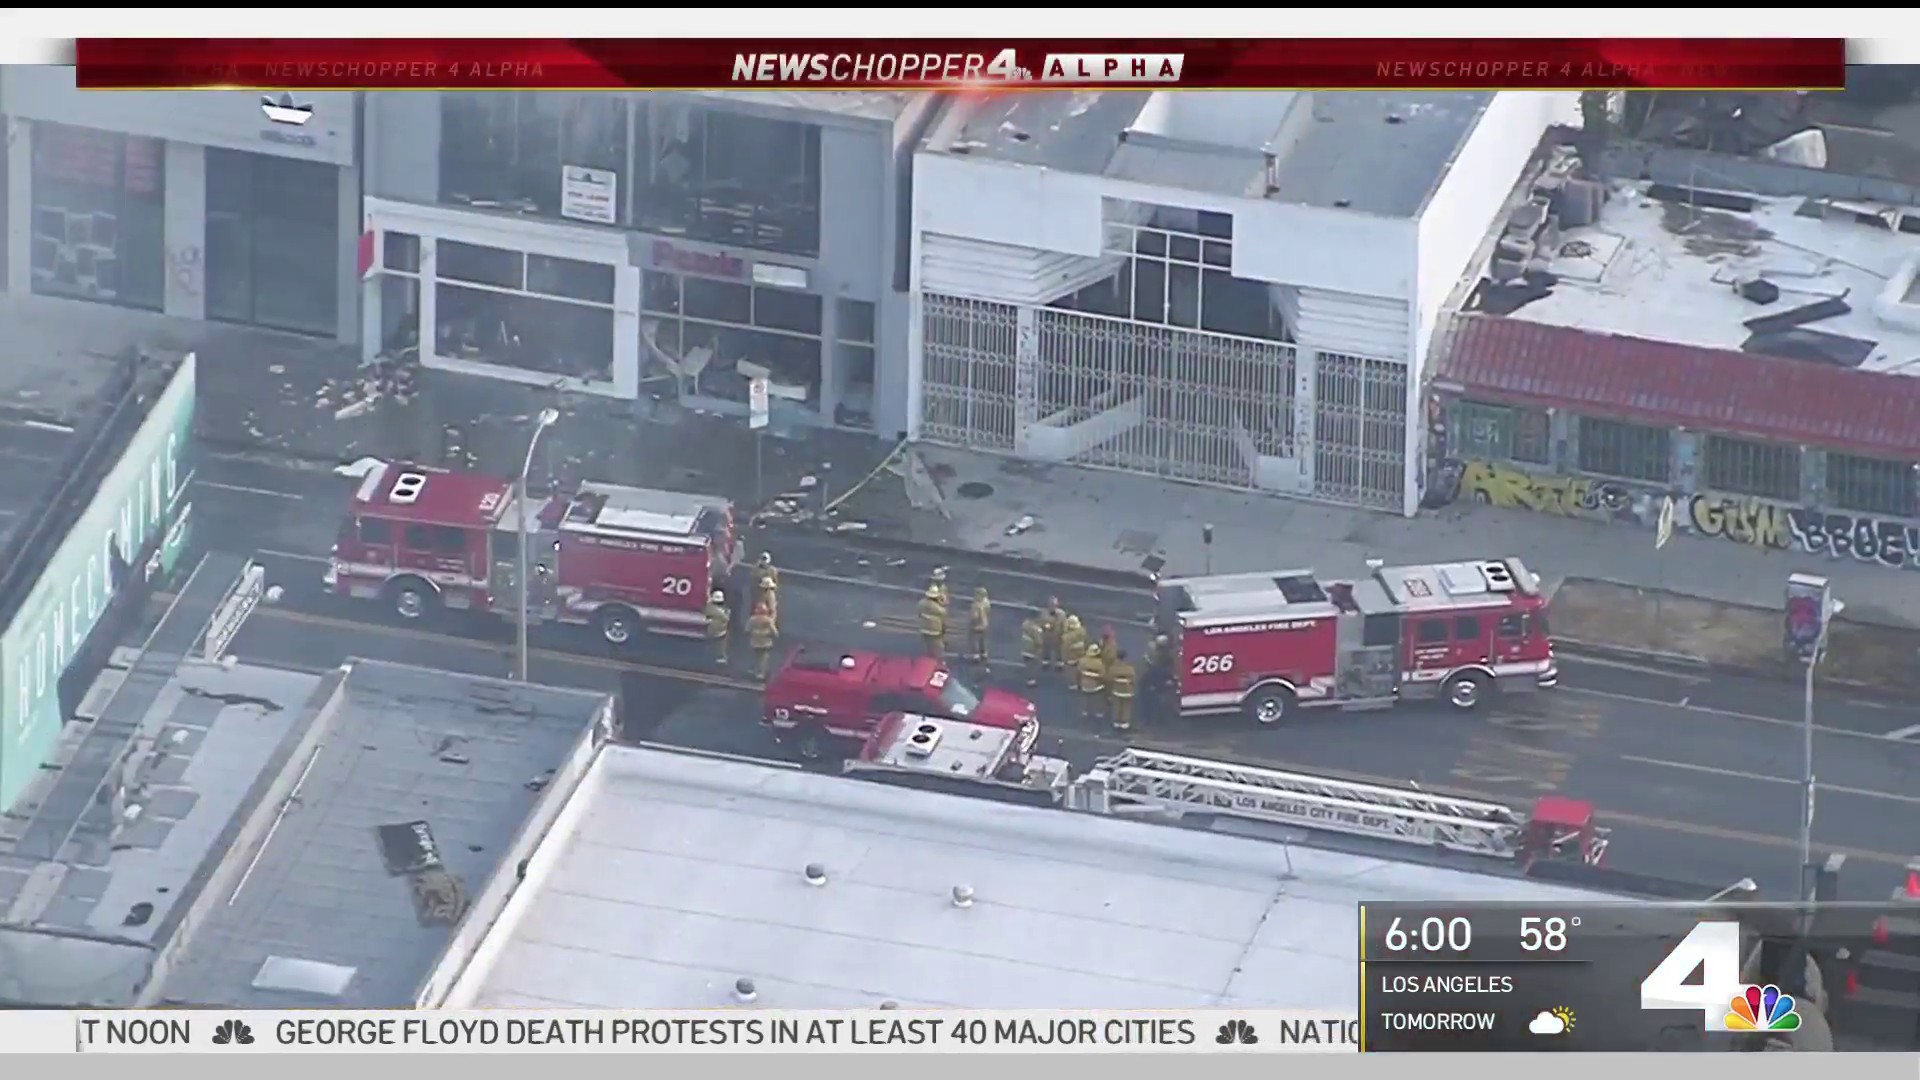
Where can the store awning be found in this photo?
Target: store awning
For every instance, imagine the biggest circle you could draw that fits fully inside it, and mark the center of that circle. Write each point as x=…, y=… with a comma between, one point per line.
x=1871, y=413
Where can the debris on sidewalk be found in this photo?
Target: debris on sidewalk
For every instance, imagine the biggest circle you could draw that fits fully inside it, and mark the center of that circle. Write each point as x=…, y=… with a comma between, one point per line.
x=1026, y=522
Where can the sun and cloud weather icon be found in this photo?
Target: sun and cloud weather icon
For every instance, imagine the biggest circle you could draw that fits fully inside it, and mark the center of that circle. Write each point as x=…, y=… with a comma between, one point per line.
x=1236, y=1031
x=1555, y=1021
x=1763, y=1008
x=233, y=1032
x=282, y=109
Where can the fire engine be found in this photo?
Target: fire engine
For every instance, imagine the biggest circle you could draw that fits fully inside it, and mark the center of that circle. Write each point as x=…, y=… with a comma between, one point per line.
x=820, y=704
x=955, y=755
x=619, y=559
x=1267, y=643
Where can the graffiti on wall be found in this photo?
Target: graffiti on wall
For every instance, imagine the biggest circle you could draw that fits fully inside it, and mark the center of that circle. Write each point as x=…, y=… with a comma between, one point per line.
x=1887, y=541
x=1741, y=519
x=1738, y=519
x=1491, y=483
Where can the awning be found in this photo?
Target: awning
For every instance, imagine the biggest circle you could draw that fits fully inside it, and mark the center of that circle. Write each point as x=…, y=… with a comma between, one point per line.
x=1659, y=383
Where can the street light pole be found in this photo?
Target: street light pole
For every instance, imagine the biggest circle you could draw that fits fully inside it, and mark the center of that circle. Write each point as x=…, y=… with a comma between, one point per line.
x=524, y=605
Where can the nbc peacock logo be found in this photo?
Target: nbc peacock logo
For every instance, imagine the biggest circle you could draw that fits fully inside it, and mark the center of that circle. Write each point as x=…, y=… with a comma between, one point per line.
x=1763, y=1009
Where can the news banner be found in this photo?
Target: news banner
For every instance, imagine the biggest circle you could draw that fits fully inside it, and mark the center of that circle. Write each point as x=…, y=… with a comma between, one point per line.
x=1484, y=977
x=959, y=64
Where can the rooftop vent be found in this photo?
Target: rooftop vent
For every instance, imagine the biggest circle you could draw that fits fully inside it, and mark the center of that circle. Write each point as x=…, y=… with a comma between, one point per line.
x=816, y=874
x=743, y=991
x=963, y=896
x=925, y=737
x=1499, y=578
x=407, y=488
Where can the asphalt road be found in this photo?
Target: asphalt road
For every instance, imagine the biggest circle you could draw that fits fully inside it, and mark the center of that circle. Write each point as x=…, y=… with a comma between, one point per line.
x=1696, y=773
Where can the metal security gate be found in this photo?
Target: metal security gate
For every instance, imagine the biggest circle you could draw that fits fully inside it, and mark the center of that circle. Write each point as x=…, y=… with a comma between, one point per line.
x=1163, y=401
x=1360, y=430
x=968, y=353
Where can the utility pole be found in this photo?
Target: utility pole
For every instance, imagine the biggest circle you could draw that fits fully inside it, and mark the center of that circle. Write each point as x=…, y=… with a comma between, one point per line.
x=524, y=605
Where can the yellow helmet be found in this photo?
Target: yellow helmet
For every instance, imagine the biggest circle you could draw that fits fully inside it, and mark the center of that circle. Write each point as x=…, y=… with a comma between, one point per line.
x=1073, y=621
x=979, y=592
x=933, y=592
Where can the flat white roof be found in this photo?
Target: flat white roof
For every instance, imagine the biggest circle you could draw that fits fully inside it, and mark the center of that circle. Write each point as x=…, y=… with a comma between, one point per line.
x=1658, y=270
x=671, y=876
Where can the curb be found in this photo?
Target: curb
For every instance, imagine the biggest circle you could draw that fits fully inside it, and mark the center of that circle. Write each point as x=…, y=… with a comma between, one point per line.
x=256, y=449
x=881, y=544
x=1783, y=673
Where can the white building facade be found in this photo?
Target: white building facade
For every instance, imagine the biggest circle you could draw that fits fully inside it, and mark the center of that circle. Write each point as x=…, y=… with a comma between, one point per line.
x=673, y=245
x=1232, y=289
x=191, y=204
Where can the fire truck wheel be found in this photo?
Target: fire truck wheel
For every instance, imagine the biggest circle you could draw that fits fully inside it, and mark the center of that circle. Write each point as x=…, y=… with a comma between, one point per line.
x=616, y=624
x=411, y=598
x=1466, y=690
x=1270, y=705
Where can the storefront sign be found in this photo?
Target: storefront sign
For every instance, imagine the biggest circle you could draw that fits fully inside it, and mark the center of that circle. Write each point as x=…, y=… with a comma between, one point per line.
x=711, y=263
x=589, y=194
x=780, y=277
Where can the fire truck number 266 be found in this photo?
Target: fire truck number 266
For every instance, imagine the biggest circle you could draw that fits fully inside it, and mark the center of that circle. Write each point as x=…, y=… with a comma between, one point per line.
x=1212, y=665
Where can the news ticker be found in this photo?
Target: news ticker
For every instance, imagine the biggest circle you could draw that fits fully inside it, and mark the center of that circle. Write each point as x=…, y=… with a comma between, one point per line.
x=1631, y=976
x=979, y=64
x=746, y=1029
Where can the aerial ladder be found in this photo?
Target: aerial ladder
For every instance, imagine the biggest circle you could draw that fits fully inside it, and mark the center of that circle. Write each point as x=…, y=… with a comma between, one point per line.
x=1152, y=783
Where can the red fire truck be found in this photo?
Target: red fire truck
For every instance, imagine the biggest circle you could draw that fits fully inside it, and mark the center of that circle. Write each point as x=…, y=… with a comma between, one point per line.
x=830, y=703
x=621, y=559
x=1268, y=643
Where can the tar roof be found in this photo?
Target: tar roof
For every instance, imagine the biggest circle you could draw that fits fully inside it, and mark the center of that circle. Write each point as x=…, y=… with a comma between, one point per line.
x=1660, y=269
x=678, y=875
x=1661, y=383
x=1374, y=152
x=317, y=906
x=89, y=895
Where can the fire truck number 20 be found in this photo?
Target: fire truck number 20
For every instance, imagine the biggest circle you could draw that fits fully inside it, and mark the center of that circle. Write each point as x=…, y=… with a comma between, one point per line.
x=1212, y=665
x=676, y=586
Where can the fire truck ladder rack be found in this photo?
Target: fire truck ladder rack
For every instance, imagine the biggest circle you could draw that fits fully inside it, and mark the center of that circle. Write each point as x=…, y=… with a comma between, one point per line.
x=1146, y=782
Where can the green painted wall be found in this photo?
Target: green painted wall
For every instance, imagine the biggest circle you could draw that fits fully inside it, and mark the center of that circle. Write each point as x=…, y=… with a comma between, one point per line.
x=143, y=496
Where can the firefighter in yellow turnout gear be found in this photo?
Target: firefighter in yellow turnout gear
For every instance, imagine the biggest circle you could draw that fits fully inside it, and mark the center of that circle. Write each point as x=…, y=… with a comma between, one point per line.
x=1121, y=682
x=933, y=623
x=978, y=620
x=1073, y=646
x=1091, y=681
x=937, y=586
x=1033, y=646
x=1052, y=621
x=762, y=632
x=766, y=585
x=1159, y=669
x=719, y=625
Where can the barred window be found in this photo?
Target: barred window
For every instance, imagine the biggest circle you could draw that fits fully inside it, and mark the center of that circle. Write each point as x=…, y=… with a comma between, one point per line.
x=1500, y=432
x=1629, y=451
x=1741, y=467
x=1870, y=485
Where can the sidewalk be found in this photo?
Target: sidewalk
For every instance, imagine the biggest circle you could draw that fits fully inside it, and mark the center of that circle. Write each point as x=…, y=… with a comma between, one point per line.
x=290, y=398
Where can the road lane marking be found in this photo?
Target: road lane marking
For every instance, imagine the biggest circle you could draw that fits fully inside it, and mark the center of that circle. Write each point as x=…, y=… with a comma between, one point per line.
x=1904, y=733
x=245, y=490
x=1715, y=770
x=1730, y=714
x=1640, y=669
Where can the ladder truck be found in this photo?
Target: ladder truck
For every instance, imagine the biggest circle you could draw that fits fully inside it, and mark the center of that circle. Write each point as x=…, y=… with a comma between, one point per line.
x=958, y=757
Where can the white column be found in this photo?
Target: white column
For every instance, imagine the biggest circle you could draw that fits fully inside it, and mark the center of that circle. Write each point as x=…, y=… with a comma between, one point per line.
x=186, y=230
x=429, y=265
x=1026, y=374
x=18, y=136
x=349, y=324
x=626, y=331
x=1306, y=363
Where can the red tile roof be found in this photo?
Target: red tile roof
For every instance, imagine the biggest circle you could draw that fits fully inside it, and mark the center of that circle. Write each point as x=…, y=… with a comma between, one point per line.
x=1870, y=413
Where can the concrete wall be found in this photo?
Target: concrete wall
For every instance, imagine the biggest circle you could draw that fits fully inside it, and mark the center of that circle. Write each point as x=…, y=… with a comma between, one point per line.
x=402, y=151
x=1807, y=525
x=1461, y=210
x=1313, y=247
x=229, y=119
x=1677, y=165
